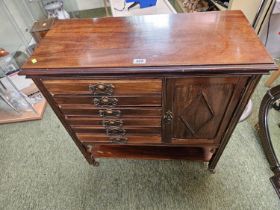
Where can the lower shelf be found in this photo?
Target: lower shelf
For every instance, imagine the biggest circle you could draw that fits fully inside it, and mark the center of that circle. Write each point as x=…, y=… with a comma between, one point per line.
x=152, y=152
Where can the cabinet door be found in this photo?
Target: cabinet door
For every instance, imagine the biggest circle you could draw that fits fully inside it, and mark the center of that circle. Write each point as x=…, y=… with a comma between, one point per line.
x=200, y=108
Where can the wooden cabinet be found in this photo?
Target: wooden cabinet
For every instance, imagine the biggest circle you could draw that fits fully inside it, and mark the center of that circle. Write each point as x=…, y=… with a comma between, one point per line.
x=150, y=87
x=201, y=107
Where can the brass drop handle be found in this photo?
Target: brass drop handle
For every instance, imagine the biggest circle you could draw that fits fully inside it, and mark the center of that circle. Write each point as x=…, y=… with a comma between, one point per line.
x=118, y=140
x=108, y=123
x=102, y=89
x=115, y=131
x=105, y=101
x=109, y=113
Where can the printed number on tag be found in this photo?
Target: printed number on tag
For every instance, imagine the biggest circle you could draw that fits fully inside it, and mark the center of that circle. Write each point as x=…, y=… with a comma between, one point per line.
x=139, y=61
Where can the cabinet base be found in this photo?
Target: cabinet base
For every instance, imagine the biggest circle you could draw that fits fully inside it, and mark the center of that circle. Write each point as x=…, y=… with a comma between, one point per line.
x=152, y=152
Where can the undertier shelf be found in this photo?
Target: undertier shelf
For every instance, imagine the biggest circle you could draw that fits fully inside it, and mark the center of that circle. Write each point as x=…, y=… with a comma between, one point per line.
x=152, y=152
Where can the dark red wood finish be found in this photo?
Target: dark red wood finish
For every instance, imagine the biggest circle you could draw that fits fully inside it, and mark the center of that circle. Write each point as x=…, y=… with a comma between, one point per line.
x=212, y=38
x=181, y=100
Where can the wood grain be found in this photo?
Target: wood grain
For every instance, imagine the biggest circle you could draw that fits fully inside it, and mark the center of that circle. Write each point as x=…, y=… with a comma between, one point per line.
x=234, y=119
x=141, y=122
x=182, y=102
x=85, y=110
x=205, y=39
x=129, y=129
x=152, y=152
x=89, y=139
x=199, y=106
x=121, y=100
x=121, y=87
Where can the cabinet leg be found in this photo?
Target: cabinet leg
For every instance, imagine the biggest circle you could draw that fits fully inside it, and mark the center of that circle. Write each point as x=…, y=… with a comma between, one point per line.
x=212, y=171
x=213, y=163
x=211, y=167
x=94, y=162
x=275, y=181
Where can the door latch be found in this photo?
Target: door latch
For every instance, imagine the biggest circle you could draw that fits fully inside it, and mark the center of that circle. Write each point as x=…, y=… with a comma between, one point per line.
x=168, y=117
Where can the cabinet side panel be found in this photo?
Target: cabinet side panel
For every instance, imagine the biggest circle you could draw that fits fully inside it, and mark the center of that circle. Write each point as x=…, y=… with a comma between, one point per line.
x=60, y=116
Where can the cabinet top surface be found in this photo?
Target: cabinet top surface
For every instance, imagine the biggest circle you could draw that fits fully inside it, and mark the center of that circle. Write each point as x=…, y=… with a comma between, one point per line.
x=198, y=39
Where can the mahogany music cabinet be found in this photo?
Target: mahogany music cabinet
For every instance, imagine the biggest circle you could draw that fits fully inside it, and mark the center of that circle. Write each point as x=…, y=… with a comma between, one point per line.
x=150, y=87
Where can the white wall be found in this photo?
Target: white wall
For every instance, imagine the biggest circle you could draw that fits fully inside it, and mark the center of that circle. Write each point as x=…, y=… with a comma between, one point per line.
x=15, y=21
x=24, y=12
x=9, y=39
x=249, y=7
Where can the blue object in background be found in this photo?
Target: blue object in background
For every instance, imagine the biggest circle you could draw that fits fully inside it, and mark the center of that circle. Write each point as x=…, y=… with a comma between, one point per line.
x=143, y=3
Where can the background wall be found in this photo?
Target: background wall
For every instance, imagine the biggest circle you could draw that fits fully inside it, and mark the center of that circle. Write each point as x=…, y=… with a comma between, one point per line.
x=17, y=17
x=15, y=20
x=249, y=7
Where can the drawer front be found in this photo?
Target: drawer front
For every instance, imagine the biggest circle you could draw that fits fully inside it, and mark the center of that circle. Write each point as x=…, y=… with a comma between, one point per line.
x=72, y=110
x=88, y=139
x=105, y=87
x=139, y=122
x=116, y=130
x=111, y=111
x=109, y=101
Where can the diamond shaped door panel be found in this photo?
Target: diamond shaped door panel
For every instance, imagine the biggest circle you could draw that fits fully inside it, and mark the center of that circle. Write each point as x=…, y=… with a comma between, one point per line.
x=199, y=106
x=197, y=114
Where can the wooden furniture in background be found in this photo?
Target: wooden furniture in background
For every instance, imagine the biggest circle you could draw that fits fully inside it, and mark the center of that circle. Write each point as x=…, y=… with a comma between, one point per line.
x=274, y=76
x=268, y=146
x=152, y=87
x=40, y=28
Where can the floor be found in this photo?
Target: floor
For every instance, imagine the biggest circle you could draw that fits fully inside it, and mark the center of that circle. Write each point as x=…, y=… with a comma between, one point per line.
x=41, y=168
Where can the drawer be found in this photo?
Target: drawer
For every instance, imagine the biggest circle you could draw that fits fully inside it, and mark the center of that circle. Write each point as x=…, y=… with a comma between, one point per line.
x=89, y=139
x=139, y=122
x=89, y=110
x=124, y=130
x=109, y=101
x=105, y=87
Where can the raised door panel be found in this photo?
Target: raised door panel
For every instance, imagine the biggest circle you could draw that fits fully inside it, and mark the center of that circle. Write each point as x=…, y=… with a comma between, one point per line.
x=201, y=107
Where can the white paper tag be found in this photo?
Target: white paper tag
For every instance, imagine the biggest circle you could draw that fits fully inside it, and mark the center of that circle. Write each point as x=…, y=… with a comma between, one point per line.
x=139, y=61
